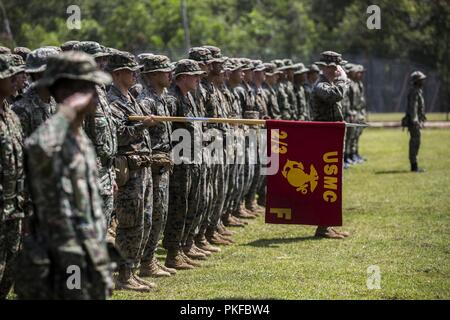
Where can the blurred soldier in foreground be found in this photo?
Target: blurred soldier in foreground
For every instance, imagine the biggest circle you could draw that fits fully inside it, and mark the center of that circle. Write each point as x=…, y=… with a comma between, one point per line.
x=415, y=116
x=12, y=173
x=327, y=95
x=66, y=255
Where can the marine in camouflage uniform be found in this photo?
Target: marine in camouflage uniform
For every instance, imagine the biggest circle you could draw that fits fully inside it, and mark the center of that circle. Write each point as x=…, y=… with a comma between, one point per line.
x=134, y=199
x=360, y=106
x=415, y=116
x=282, y=95
x=214, y=107
x=68, y=225
x=37, y=104
x=187, y=75
x=327, y=96
x=300, y=93
x=12, y=195
x=246, y=97
x=155, y=100
x=20, y=79
x=101, y=129
x=272, y=75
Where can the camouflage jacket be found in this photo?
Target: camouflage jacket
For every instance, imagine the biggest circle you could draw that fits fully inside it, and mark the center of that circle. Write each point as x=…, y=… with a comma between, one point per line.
x=158, y=105
x=327, y=97
x=302, y=103
x=12, y=190
x=186, y=107
x=133, y=138
x=234, y=106
x=283, y=101
x=101, y=129
x=246, y=98
x=358, y=101
x=415, y=109
x=261, y=101
x=272, y=102
x=68, y=207
x=292, y=99
x=32, y=111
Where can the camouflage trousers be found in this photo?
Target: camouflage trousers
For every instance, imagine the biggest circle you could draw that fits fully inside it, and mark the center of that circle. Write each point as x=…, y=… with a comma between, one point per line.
x=262, y=189
x=414, y=142
x=206, y=206
x=240, y=188
x=350, y=136
x=134, y=216
x=108, y=208
x=193, y=216
x=179, y=190
x=231, y=173
x=160, y=210
x=219, y=194
x=10, y=240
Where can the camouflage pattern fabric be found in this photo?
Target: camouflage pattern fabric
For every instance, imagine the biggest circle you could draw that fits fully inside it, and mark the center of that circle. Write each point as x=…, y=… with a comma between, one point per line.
x=326, y=99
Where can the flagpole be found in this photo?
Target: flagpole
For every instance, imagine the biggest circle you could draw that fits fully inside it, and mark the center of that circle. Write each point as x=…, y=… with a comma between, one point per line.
x=251, y=122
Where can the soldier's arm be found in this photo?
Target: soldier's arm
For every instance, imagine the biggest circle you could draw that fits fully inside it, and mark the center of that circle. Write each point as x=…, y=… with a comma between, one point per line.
x=24, y=118
x=411, y=106
x=332, y=92
x=126, y=130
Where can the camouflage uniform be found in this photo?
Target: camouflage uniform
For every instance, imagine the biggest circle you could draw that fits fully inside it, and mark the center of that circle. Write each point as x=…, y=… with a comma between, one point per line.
x=181, y=189
x=327, y=99
x=101, y=129
x=160, y=105
x=134, y=199
x=271, y=93
x=68, y=225
x=415, y=116
x=283, y=97
x=31, y=109
x=300, y=93
x=360, y=105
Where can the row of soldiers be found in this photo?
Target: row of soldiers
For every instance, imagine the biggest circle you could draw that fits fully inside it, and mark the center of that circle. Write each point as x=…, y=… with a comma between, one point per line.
x=79, y=177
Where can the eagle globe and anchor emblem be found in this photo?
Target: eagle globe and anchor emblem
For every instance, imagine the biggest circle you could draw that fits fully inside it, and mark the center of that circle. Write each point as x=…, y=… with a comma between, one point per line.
x=295, y=174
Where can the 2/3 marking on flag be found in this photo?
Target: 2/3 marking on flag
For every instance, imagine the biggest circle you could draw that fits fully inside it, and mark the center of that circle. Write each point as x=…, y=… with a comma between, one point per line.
x=282, y=213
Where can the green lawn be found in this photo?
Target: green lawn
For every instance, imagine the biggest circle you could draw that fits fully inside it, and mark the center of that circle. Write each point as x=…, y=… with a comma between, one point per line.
x=399, y=221
x=397, y=116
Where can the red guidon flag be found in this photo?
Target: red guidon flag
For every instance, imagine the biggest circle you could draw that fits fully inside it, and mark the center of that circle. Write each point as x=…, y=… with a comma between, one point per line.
x=307, y=188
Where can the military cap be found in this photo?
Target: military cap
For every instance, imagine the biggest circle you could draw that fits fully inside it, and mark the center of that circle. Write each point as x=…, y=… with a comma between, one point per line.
x=278, y=64
x=331, y=58
x=8, y=67
x=4, y=50
x=314, y=68
x=91, y=47
x=18, y=62
x=360, y=68
x=68, y=45
x=301, y=69
x=189, y=67
x=120, y=60
x=417, y=75
x=287, y=64
x=54, y=48
x=156, y=63
x=22, y=51
x=258, y=65
x=216, y=54
x=247, y=64
x=200, y=54
x=271, y=69
x=74, y=65
x=37, y=59
x=232, y=64
x=349, y=67
x=142, y=56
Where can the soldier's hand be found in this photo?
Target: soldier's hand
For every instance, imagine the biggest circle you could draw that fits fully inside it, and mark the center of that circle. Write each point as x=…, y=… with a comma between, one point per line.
x=79, y=101
x=342, y=73
x=150, y=121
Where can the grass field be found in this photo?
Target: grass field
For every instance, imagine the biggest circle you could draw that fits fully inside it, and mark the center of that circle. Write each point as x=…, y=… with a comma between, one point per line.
x=399, y=221
x=397, y=116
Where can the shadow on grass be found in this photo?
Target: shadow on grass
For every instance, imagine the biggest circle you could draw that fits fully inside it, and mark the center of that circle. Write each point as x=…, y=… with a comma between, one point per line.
x=391, y=171
x=275, y=242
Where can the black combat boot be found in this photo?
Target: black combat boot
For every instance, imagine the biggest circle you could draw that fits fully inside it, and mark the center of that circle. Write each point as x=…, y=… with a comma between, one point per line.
x=415, y=167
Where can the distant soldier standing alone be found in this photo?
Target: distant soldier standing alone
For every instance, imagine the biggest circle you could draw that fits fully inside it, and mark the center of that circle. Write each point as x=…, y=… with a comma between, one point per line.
x=415, y=116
